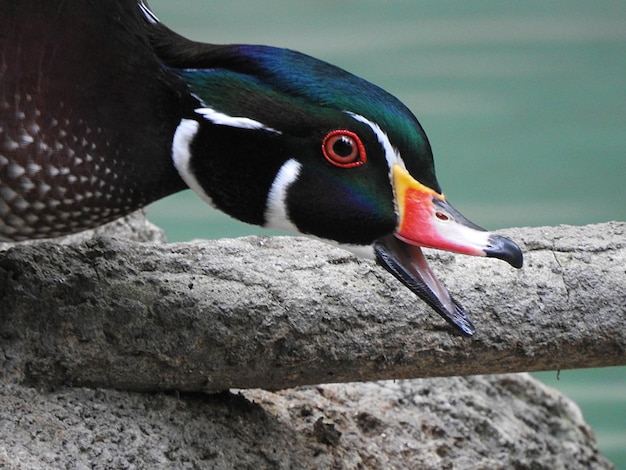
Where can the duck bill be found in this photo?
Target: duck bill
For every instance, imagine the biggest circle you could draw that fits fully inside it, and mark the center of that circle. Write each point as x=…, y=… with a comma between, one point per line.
x=426, y=219
x=408, y=264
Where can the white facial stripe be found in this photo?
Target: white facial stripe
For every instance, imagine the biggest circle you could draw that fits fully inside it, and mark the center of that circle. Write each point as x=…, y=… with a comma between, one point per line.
x=276, y=216
x=225, y=120
x=181, y=156
x=391, y=154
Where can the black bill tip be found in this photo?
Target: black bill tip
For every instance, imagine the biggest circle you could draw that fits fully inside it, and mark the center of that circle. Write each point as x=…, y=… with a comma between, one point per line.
x=504, y=249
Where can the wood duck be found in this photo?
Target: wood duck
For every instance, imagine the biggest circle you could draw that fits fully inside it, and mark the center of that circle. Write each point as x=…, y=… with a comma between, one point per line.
x=103, y=109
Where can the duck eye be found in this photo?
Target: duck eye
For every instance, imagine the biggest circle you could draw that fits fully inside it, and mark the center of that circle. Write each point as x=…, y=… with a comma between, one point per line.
x=343, y=149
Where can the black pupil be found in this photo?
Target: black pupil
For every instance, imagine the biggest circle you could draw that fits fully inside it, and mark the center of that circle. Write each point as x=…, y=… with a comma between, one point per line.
x=343, y=147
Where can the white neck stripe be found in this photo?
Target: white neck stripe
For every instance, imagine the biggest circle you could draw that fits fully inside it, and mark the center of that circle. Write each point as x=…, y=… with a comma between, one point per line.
x=276, y=215
x=181, y=156
x=225, y=120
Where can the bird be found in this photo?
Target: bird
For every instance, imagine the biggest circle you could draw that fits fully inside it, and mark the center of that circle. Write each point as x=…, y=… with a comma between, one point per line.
x=104, y=109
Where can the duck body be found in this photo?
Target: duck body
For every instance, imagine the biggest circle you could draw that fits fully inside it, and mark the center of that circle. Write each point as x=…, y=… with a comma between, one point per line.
x=87, y=115
x=103, y=110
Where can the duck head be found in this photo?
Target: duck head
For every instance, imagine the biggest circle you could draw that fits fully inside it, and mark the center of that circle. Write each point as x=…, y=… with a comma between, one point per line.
x=282, y=140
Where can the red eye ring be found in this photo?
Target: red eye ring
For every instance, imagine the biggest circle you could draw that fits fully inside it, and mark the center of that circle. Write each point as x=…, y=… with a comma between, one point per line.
x=344, y=149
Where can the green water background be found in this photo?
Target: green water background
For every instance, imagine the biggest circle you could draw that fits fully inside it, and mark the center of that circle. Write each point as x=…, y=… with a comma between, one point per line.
x=524, y=104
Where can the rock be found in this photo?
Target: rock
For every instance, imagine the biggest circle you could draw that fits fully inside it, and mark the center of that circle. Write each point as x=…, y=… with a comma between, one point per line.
x=495, y=421
x=281, y=312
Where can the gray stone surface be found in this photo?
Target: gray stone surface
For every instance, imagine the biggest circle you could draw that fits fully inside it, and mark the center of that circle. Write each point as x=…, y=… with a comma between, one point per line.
x=275, y=312
x=281, y=312
x=480, y=422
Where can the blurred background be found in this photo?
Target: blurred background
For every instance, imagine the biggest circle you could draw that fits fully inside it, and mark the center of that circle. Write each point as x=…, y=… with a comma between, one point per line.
x=524, y=104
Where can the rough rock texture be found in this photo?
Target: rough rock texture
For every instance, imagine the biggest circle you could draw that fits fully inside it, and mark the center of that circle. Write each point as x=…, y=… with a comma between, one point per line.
x=145, y=316
x=281, y=312
x=481, y=422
